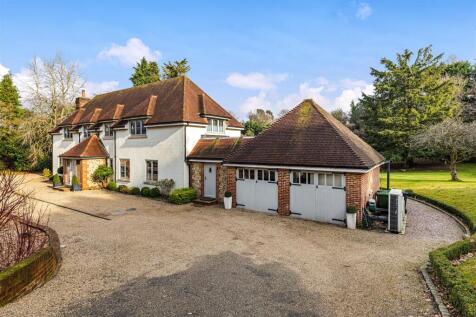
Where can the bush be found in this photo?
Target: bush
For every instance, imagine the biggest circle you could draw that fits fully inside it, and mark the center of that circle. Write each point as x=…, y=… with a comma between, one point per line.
x=56, y=179
x=145, y=191
x=60, y=170
x=123, y=189
x=135, y=191
x=165, y=186
x=154, y=192
x=75, y=181
x=228, y=194
x=462, y=294
x=46, y=173
x=182, y=195
x=101, y=175
x=351, y=209
x=112, y=186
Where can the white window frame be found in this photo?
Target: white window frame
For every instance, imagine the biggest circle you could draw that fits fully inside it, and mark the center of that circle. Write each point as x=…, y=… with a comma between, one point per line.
x=127, y=168
x=86, y=132
x=216, y=126
x=137, y=127
x=108, y=131
x=154, y=171
x=302, y=178
x=67, y=134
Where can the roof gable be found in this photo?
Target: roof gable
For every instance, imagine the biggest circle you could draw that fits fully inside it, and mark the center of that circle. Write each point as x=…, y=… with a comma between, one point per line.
x=90, y=147
x=307, y=136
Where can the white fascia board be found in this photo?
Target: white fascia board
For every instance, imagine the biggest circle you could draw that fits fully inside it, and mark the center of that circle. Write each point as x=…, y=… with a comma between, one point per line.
x=159, y=125
x=215, y=117
x=304, y=168
x=205, y=161
x=234, y=128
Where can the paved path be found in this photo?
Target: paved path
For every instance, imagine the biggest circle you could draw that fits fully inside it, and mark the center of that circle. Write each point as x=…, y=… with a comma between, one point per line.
x=157, y=259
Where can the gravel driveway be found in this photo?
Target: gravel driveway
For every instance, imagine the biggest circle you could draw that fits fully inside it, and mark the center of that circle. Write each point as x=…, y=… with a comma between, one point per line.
x=156, y=259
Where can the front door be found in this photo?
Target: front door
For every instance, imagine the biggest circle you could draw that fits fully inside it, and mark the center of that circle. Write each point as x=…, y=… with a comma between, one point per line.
x=71, y=171
x=210, y=171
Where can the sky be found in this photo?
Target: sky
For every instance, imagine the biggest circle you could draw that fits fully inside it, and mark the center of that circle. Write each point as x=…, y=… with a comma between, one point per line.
x=244, y=54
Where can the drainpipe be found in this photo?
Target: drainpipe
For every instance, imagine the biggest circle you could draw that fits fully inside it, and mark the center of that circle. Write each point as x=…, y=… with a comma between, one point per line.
x=185, y=149
x=388, y=174
x=115, y=158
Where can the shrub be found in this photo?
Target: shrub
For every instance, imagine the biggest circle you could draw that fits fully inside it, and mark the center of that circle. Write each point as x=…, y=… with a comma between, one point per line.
x=165, y=186
x=56, y=179
x=46, y=173
x=101, y=175
x=123, y=189
x=351, y=209
x=112, y=186
x=154, y=192
x=135, y=191
x=145, y=191
x=182, y=195
x=60, y=170
x=228, y=194
x=75, y=181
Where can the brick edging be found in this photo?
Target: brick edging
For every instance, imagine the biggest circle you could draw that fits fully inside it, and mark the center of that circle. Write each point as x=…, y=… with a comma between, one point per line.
x=32, y=272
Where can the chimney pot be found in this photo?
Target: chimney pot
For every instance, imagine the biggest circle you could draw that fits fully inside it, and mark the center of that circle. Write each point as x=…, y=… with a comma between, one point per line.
x=83, y=93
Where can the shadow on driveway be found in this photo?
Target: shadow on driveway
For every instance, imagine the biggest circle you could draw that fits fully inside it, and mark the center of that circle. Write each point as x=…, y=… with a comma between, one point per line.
x=226, y=284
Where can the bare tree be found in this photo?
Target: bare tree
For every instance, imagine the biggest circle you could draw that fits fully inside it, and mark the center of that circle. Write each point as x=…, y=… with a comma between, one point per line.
x=452, y=140
x=49, y=90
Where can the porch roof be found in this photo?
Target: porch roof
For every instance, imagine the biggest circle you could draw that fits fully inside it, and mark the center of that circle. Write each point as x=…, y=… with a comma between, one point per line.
x=91, y=147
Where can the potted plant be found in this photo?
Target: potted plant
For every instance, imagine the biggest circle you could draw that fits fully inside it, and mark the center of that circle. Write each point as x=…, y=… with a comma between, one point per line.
x=228, y=200
x=56, y=181
x=351, y=217
x=75, y=184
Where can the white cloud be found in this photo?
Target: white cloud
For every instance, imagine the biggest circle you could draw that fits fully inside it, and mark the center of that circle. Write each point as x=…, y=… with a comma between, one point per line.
x=130, y=53
x=93, y=88
x=363, y=11
x=252, y=103
x=255, y=80
x=3, y=70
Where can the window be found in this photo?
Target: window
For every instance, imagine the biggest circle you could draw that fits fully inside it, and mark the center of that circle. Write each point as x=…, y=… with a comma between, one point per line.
x=111, y=163
x=125, y=169
x=68, y=135
x=302, y=178
x=266, y=175
x=137, y=127
x=333, y=180
x=152, y=171
x=216, y=126
x=87, y=133
x=108, y=132
x=240, y=173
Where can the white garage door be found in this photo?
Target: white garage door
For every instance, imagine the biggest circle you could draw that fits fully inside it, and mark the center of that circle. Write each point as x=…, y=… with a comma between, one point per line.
x=257, y=189
x=318, y=196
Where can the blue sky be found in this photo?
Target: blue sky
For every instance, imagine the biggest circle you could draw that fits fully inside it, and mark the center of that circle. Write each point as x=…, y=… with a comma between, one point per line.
x=245, y=54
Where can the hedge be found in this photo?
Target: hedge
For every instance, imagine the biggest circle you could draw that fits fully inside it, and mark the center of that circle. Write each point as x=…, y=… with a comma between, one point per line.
x=135, y=191
x=182, y=195
x=145, y=191
x=461, y=292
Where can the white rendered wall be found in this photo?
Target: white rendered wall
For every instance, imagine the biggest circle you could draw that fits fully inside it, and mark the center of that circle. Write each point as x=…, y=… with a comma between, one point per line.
x=60, y=145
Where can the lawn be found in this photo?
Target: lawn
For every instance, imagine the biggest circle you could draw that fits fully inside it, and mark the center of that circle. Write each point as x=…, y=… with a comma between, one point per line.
x=436, y=184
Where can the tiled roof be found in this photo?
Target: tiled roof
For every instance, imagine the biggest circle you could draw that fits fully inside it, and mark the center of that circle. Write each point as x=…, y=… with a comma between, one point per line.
x=90, y=147
x=307, y=136
x=217, y=148
x=167, y=101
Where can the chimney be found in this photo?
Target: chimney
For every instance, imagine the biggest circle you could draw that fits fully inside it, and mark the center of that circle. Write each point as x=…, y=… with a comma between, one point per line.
x=81, y=100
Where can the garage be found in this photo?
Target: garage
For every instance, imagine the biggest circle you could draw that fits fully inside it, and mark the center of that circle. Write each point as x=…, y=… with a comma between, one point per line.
x=318, y=196
x=257, y=189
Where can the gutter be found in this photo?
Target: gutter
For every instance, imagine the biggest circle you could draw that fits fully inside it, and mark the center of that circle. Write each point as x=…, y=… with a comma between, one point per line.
x=115, y=158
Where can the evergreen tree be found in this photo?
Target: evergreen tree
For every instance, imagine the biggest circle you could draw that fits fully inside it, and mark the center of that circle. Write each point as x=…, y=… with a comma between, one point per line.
x=175, y=69
x=409, y=96
x=145, y=72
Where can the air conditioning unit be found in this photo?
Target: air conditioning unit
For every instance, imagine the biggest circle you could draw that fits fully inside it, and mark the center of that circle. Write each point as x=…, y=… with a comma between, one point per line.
x=396, y=210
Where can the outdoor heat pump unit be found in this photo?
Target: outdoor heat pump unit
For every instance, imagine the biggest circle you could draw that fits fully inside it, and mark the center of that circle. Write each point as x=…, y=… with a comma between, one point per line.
x=396, y=211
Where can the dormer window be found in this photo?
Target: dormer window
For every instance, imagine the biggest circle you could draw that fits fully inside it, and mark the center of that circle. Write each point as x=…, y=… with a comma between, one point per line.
x=87, y=133
x=216, y=126
x=108, y=132
x=137, y=127
x=68, y=135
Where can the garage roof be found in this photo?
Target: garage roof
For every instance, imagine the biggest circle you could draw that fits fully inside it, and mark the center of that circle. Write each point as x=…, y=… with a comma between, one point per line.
x=91, y=147
x=307, y=136
x=216, y=148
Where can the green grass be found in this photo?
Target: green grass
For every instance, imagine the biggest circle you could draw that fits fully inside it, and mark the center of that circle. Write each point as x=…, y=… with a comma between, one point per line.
x=468, y=270
x=436, y=184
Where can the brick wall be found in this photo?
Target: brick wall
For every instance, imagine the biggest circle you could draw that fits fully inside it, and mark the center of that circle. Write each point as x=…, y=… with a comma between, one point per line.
x=283, y=192
x=31, y=272
x=360, y=188
x=231, y=183
x=221, y=182
x=91, y=167
x=197, y=177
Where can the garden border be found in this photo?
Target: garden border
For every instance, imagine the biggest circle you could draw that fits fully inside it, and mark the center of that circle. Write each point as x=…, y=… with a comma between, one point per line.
x=32, y=272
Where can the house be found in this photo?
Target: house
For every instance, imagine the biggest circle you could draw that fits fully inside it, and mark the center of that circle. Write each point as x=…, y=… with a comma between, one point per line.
x=308, y=165
x=144, y=133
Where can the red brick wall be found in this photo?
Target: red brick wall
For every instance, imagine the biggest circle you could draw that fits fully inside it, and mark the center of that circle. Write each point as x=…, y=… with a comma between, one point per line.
x=231, y=183
x=283, y=192
x=360, y=188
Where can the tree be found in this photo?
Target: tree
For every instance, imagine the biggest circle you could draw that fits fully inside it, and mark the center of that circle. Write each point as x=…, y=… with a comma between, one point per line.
x=340, y=115
x=258, y=121
x=175, y=69
x=410, y=94
x=452, y=141
x=102, y=174
x=465, y=74
x=145, y=72
x=50, y=92
x=355, y=118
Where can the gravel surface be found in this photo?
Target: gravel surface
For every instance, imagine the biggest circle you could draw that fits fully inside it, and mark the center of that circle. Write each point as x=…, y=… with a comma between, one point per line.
x=157, y=259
